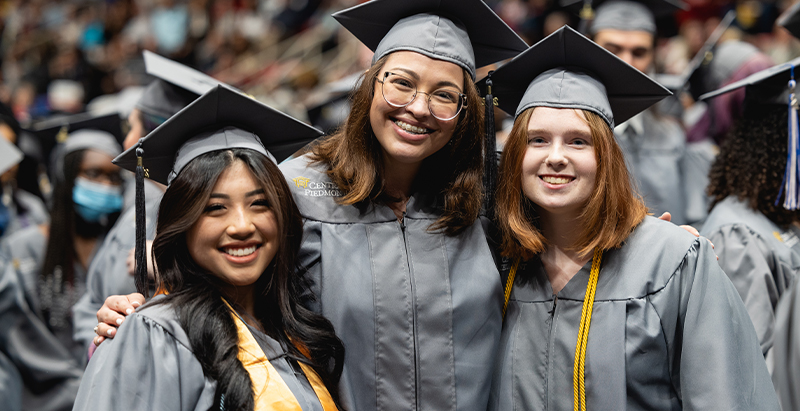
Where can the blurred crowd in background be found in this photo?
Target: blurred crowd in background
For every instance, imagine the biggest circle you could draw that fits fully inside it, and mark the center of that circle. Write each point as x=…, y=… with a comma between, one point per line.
x=68, y=56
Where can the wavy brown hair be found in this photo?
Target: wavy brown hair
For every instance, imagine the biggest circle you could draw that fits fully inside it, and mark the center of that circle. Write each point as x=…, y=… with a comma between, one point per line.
x=612, y=212
x=751, y=164
x=196, y=295
x=453, y=174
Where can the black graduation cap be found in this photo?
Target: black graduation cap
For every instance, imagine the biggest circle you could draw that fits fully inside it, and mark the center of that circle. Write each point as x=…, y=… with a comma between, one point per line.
x=769, y=90
x=765, y=88
x=54, y=132
x=790, y=20
x=568, y=70
x=175, y=86
x=173, y=144
x=627, y=15
x=464, y=32
x=221, y=119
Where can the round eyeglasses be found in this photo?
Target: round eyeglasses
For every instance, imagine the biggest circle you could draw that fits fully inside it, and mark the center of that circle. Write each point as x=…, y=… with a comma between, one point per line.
x=400, y=91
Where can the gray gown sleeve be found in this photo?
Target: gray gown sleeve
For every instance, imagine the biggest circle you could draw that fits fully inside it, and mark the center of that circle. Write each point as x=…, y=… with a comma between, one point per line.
x=757, y=274
x=10, y=385
x=716, y=361
x=786, y=350
x=49, y=372
x=144, y=368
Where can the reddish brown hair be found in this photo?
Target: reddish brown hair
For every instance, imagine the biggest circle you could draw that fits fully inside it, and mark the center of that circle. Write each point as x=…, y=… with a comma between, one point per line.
x=612, y=212
x=454, y=174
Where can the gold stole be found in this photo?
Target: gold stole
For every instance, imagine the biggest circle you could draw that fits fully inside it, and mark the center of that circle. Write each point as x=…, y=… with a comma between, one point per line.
x=270, y=392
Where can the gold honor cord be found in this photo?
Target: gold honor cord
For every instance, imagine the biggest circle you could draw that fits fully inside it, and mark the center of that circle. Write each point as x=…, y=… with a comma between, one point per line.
x=509, y=284
x=578, y=374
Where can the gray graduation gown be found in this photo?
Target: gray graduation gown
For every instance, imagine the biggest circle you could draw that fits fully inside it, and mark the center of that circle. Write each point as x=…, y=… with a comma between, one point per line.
x=786, y=351
x=25, y=251
x=36, y=213
x=656, y=153
x=108, y=272
x=761, y=265
x=10, y=385
x=668, y=332
x=418, y=312
x=49, y=373
x=149, y=365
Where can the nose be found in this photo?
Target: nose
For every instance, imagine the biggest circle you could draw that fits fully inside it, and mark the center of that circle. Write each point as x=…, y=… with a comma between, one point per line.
x=626, y=56
x=240, y=225
x=555, y=157
x=419, y=106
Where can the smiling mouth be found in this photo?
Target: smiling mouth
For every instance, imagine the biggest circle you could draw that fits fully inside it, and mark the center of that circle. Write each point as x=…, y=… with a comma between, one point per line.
x=556, y=180
x=240, y=252
x=412, y=129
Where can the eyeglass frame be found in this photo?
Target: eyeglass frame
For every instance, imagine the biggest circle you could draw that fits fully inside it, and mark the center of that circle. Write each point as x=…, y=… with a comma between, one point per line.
x=386, y=74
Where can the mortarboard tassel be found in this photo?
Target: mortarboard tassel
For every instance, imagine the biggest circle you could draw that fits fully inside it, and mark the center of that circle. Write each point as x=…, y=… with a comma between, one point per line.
x=140, y=276
x=490, y=150
x=790, y=188
x=586, y=15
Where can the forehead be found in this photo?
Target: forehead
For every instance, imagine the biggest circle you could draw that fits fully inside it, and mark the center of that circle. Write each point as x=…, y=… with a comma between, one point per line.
x=558, y=121
x=426, y=68
x=626, y=38
x=236, y=177
x=97, y=159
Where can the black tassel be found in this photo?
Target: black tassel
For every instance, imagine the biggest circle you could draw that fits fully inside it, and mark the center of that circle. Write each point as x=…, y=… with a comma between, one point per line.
x=140, y=277
x=490, y=151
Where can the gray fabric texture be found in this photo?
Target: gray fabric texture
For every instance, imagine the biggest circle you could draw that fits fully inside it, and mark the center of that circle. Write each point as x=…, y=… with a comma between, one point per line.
x=668, y=332
x=786, y=350
x=418, y=311
x=761, y=266
x=624, y=15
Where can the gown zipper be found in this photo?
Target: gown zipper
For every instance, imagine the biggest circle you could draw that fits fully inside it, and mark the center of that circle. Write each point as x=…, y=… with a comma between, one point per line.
x=413, y=313
x=550, y=349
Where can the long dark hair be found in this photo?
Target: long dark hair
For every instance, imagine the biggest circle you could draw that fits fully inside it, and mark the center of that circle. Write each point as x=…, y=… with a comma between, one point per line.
x=195, y=293
x=59, y=261
x=751, y=163
x=454, y=174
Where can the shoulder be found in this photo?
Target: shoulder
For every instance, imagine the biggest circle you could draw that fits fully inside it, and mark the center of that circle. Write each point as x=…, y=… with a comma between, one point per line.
x=29, y=240
x=316, y=195
x=733, y=214
x=31, y=201
x=163, y=317
x=649, y=258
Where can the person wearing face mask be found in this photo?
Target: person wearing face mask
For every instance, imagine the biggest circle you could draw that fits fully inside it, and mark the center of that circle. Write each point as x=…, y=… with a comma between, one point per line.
x=111, y=271
x=52, y=259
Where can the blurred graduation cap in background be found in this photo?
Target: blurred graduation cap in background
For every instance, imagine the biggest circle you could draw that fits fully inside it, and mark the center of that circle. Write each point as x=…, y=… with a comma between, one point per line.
x=766, y=91
x=221, y=119
x=627, y=15
x=175, y=86
x=567, y=69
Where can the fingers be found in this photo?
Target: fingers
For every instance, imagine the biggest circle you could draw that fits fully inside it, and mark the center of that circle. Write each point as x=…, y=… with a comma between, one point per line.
x=666, y=216
x=693, y=231
x=113, y=313
x=97, y=341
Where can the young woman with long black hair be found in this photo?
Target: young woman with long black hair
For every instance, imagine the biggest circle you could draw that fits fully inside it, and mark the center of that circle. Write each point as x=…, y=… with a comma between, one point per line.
x=231, y=332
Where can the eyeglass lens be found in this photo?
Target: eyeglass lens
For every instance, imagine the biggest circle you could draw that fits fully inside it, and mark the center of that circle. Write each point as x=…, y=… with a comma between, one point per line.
x=400, y=91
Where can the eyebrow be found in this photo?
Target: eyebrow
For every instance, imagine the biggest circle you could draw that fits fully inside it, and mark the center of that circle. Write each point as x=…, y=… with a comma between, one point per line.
x=415, y=76
x=248, y=194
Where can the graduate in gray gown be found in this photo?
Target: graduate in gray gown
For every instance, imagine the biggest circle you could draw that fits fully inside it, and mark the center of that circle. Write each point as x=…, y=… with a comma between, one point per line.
x=36, y=370
x=52, y=259
x=786, y=349
x=18, y=208
x=230, y=333
x=173, y=89
x=607, y=308
x=397, y=257
x=756, y=236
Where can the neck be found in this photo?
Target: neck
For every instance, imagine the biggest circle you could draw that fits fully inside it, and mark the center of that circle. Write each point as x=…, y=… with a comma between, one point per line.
x=84, y=248
x=399, y=181
x=242, y=298
x=560, y=260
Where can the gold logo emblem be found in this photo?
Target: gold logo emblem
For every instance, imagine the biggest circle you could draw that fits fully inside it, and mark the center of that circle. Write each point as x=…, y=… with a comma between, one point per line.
x=301, y=182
